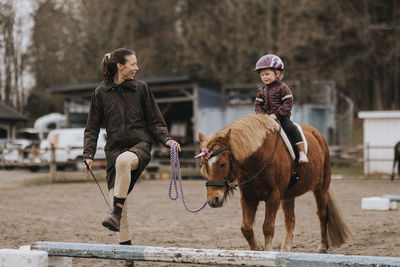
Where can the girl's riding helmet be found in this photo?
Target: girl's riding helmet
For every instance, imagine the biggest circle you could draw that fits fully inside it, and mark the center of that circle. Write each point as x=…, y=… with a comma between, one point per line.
x=269, y=61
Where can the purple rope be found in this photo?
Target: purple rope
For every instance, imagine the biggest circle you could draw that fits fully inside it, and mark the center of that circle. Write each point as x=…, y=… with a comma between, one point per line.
x=175, y=164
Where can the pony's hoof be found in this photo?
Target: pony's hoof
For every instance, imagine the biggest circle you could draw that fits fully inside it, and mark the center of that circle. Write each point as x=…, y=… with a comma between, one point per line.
x=322, y=250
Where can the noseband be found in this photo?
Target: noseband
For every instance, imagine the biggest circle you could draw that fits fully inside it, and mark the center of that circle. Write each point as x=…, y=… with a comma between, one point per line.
x=227, y=181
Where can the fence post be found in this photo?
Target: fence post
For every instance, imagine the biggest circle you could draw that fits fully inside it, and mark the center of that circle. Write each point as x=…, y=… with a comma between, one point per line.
x=32, y=153
x=53, y=166
x=368, y=159
x=2, y=160
x=20, y=157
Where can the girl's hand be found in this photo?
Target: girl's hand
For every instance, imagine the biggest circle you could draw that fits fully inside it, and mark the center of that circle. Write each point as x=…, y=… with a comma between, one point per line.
x=273, y=116
x=170, y=142
x=89, y=162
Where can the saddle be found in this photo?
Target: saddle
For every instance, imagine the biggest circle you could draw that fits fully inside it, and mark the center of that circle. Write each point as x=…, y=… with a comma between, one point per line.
x=291, y=147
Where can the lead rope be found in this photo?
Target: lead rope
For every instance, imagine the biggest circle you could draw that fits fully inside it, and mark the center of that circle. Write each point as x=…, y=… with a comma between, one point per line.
x=176, y=165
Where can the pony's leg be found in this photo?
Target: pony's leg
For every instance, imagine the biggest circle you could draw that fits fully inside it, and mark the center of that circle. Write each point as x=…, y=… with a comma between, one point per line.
x=271, y=208
x=290, y=220
x=394, y=165
x=398, y=166
x=321, y=197
x=249, y=212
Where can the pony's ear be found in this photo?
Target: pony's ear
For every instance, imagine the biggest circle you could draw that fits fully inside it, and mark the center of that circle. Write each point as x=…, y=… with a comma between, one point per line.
x=226, y=136
x=202, y=137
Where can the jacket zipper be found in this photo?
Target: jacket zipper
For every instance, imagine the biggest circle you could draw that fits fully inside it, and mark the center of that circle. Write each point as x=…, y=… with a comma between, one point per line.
x=124, y=136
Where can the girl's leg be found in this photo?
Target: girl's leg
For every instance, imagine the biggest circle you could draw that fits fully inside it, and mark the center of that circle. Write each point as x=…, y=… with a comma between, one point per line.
x=125, y=163
x=123, y=236
x=295, y=136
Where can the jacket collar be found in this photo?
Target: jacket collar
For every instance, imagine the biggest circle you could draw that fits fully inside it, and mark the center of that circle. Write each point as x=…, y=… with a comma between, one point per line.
x=273, y=84
x=129, y=84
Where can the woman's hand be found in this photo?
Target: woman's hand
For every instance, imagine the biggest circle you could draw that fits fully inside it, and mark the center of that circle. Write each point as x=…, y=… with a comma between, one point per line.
x=170, y=142
x=89, y=162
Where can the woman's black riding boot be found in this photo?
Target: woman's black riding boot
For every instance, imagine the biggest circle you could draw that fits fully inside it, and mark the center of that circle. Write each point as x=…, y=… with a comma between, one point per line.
x=112, y=221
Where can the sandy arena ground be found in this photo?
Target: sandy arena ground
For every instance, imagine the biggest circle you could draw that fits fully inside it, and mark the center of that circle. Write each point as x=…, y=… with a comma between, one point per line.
x=72, y=212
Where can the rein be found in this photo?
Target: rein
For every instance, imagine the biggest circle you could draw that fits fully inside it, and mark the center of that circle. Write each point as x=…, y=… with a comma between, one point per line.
x=227, y=181
x=176, y=165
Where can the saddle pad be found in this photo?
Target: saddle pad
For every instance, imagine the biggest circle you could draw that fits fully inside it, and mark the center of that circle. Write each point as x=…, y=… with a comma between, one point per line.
x=287, y=142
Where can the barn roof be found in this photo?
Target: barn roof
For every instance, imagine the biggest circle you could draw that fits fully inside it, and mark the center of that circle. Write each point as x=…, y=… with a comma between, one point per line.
x=152, y=81
x=10, y=114
x=379, y=114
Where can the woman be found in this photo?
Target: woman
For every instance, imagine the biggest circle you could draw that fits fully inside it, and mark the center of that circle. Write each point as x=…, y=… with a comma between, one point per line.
x=132, y=119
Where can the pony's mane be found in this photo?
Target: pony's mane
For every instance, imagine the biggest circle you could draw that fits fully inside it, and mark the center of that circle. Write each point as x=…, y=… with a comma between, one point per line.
x=248, y=134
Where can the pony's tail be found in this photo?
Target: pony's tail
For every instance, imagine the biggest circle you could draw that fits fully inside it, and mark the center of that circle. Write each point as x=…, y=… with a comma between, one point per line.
x=338, y=232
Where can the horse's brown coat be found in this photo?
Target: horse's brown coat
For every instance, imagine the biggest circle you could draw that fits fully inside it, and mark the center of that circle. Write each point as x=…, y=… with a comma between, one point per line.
x=251, y=141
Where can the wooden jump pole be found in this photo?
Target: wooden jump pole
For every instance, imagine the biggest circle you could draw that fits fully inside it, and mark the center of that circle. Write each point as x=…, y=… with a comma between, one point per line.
x=208, y=256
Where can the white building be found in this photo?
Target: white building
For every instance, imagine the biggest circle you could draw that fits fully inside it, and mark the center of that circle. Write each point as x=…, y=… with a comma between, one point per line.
x=381, y=133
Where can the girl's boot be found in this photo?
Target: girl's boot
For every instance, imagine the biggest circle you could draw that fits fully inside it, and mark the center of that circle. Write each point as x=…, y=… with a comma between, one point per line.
x=302, y=155
x=112, y=221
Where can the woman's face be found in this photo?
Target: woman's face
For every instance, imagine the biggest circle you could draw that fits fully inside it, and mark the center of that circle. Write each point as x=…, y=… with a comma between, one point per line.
x=129, y=69
x=267, y=76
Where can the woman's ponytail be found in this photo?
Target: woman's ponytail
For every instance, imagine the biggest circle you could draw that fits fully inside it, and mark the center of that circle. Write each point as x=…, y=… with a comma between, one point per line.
x=106, y=68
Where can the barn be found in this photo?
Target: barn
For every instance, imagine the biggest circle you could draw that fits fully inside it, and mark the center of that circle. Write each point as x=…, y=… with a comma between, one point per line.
x=381, y=132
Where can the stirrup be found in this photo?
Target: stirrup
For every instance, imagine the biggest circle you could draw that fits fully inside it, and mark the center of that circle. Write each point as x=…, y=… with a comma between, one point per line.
x=294, y=178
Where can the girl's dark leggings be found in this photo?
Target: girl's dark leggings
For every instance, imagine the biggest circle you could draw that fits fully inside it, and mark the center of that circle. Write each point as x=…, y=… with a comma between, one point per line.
x=291, y=130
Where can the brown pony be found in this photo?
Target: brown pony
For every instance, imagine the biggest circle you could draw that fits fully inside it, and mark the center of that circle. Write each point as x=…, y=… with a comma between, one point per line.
x=237, y=152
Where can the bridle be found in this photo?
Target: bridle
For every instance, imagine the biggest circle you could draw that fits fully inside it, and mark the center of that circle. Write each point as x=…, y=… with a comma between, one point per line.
x=227, y=181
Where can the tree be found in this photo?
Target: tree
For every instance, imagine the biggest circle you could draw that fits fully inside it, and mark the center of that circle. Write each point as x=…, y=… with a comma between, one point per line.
x=12, y=56
x=50, y=51
x=355, y=43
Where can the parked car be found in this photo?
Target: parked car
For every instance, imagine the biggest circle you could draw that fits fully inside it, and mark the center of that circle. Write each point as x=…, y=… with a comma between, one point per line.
x=19, y=151
x=68, y=144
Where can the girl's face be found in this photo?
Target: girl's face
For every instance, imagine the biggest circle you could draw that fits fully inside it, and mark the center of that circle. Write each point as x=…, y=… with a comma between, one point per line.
x=129, y=69
x=268, y=76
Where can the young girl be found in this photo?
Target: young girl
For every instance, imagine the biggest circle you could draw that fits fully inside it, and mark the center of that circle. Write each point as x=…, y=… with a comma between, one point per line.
x=275, y=99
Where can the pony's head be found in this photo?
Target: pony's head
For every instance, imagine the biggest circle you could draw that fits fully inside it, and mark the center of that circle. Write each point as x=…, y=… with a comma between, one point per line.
x=216, y=166
x=232, y=144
